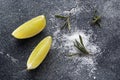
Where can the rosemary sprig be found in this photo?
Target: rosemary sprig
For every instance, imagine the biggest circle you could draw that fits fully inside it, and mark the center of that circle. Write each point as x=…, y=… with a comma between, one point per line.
x=80, y=46
x=67, y=21
x=96, y=19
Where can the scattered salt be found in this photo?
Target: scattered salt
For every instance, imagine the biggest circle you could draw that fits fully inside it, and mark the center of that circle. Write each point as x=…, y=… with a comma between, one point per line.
x=67, y=39
x=74, y=10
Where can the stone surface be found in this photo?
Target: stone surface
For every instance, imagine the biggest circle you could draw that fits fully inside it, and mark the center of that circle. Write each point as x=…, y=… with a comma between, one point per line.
x=14, y=53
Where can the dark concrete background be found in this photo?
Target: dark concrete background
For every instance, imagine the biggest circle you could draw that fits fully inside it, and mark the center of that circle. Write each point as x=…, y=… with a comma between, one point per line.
x=14, y=53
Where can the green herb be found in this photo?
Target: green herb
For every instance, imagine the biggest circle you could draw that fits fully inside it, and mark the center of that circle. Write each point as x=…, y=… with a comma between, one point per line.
x=74, y=54
x=96, y=19
x=66, y=23
x=80, y=46
x=59, y=16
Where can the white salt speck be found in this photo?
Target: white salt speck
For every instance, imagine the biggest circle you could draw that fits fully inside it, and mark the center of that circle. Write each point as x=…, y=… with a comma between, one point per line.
x=94, y=77
x=1, y=53
x=19, y=9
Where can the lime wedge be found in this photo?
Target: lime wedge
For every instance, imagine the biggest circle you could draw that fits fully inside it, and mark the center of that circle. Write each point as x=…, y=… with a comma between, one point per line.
x=30, y=28
x=39, y=53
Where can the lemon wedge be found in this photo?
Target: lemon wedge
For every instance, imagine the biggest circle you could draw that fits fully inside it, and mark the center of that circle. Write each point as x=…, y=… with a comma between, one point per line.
x=39, y=53
x=30, y=28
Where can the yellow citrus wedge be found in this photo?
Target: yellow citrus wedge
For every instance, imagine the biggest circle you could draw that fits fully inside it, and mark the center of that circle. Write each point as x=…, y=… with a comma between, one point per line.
x=39, y=53
x=30, y=28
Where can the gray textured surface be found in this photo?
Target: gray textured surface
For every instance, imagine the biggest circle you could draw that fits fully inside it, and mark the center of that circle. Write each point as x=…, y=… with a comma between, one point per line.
x=14, y=53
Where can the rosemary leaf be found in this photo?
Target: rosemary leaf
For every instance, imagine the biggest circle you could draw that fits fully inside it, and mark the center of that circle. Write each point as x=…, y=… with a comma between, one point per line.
x=80, y=46
x=68, y=21
x=81, y=41
x=64, y=26
x=59, y=16
x=96, y=19
x=98, y=24
x=75, y=54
